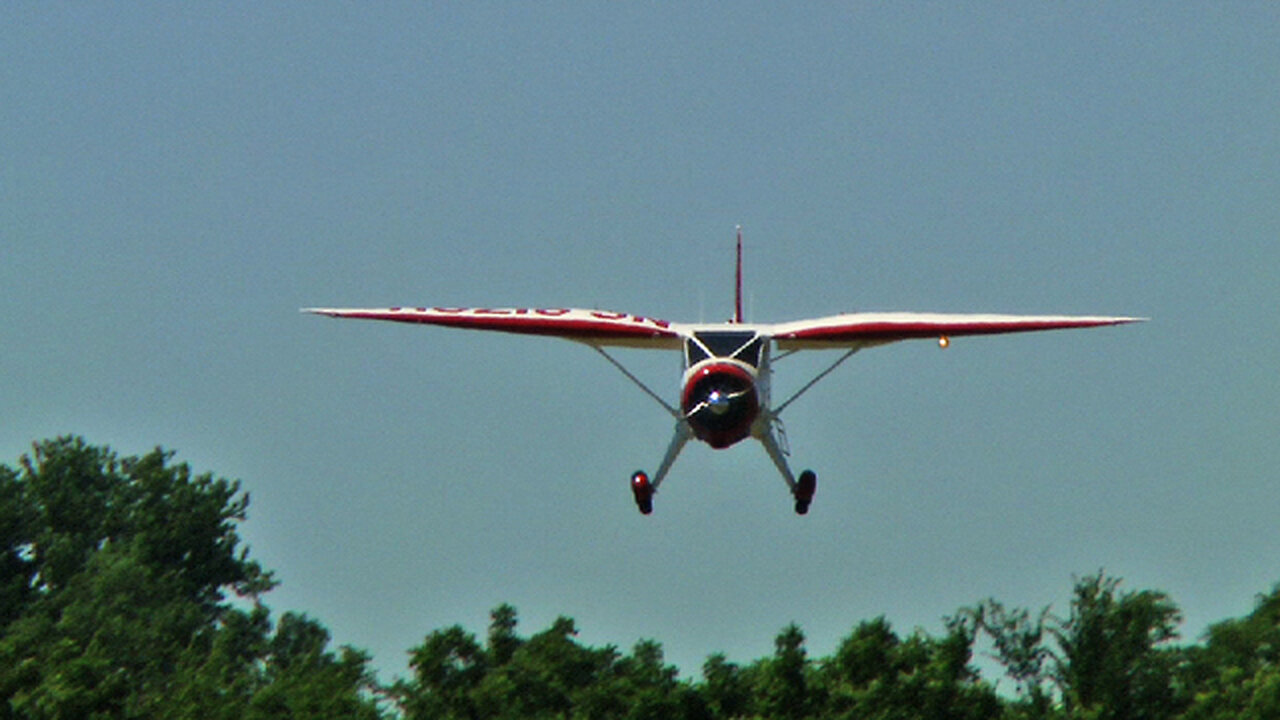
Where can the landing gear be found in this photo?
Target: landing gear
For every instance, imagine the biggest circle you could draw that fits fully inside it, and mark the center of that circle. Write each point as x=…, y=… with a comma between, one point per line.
x=770, y=434
x=642, y=489
x=642, y=486
x=806, y=486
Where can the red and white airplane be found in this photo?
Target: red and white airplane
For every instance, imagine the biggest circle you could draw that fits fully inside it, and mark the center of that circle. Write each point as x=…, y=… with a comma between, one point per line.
x=725, y=390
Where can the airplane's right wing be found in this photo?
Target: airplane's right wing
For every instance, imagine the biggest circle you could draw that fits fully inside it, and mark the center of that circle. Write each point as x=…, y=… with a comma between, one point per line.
x=875, y=328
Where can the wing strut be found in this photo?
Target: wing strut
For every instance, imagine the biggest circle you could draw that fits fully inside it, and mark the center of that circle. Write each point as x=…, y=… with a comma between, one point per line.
x=811, y=383
x=665, y=405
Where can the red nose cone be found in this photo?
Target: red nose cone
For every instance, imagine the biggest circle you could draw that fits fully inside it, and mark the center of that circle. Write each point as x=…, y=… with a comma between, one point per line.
x=720, y=403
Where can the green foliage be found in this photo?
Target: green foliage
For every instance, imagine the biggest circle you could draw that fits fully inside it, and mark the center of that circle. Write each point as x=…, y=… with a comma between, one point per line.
x=115, y=604
x=1109, y=659
x=782, y=682
x=125, y=593
x=1236, y=673
x=548, y=675
x=726, y=690
x=876, y=674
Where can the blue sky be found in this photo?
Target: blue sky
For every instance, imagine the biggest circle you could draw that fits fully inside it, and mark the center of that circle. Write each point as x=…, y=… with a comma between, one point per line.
x=177, y=180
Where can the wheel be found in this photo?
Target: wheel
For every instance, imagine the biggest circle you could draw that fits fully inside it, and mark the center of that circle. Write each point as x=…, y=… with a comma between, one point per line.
x=806, y=486
x=642, y=489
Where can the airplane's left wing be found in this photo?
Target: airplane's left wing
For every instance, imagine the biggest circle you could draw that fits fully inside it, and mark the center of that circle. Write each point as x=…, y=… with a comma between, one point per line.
x=867, y=329
x=594, y=327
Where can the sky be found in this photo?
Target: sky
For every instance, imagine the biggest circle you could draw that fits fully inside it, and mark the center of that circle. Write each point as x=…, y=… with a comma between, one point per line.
x=177, y=180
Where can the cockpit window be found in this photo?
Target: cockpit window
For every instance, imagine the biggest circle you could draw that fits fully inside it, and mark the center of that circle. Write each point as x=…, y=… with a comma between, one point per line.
x=743, y=345
x=750, y=353
x=724, y=343
x=694, y=353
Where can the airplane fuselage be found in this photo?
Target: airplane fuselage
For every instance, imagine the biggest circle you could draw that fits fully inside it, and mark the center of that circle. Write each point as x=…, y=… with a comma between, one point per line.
x=722, y=393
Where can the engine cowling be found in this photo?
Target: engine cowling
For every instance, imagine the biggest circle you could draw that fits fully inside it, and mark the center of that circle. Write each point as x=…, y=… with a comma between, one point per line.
x=720, y=402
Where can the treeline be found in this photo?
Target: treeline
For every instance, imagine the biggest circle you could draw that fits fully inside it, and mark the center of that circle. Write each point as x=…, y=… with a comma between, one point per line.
x=125, y=593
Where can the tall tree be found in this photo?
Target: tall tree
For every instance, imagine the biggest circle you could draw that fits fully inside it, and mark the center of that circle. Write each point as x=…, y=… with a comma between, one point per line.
x=1113, y=661
x=503, y=640
x=304, y=679
x=1111, y=658
x=447, y=668
x=874, y=673
x=1236, y=672
x=782, y=689
x=75, y=499
x=117, y=576
x=725, y=688
x=650, y=689
x=17, y=561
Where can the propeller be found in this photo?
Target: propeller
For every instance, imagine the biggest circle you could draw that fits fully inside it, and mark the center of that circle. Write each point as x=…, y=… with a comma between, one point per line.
x=718, y=402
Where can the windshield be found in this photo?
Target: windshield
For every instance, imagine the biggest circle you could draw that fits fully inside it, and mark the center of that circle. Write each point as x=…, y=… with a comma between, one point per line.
x=744, y=345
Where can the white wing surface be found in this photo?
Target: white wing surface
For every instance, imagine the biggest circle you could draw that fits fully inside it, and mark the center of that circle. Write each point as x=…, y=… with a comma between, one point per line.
x=867, y=329
x=594, y=327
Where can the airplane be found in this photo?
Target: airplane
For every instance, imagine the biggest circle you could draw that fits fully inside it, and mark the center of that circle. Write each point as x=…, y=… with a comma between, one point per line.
x=725, y=391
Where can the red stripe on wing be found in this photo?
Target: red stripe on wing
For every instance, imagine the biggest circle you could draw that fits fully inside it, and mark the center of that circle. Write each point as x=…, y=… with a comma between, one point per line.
x=596, y=326
x=888, y=327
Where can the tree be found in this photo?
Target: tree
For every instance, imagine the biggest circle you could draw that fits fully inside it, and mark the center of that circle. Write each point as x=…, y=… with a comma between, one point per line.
x=876, y=674
x=447, y=668
x=1236, y=673
x=125, y=592
x=725, y=689
x=1020, y=647
x=650, y=689
x=555, y=673
x=117, y=572
x=503, y=640
x=74, y=499
x=782, y=684
x=1109, y=659
x=221, y=668
x=303, y=679
x=17, y=530
x=549, y=675
x=1111, y=662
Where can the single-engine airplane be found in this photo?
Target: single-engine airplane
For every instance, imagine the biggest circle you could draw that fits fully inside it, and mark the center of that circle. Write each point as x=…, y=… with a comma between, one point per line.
x=725, y=388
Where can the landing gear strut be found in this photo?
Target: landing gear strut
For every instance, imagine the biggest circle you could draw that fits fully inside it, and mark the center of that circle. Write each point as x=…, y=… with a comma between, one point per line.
x=806, y=486
x=643, y=491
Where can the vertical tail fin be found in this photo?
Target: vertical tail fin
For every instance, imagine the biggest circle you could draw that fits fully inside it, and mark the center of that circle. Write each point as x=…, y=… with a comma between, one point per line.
x=737, y=292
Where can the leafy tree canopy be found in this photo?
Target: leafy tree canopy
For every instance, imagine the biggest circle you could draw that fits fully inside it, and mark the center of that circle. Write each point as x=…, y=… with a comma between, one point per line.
x=125, y=592
x=114, y=599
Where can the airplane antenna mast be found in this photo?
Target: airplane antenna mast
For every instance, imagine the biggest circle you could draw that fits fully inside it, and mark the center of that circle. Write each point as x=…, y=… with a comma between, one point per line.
x=737, y=294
